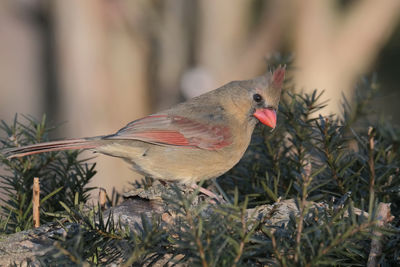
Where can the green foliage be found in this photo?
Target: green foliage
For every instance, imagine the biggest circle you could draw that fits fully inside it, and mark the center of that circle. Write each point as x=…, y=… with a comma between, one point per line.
x=88, y=237
x=336, y=151
x=62, y=175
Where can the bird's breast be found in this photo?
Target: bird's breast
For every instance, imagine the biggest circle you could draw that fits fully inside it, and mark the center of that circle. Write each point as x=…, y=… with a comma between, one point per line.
x=176, y=163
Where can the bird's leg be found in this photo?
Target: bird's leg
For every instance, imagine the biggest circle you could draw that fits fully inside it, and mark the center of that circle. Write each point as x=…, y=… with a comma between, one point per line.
x=201, y=189
x=207, y=192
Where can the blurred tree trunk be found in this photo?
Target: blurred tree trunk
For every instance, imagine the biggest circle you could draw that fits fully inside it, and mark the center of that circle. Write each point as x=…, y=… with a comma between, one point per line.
x=333, y=46
x=173, y=42
x=21, y=77
x=21, y=67
x=103, y=74
x=231, y=44
x=223, y=31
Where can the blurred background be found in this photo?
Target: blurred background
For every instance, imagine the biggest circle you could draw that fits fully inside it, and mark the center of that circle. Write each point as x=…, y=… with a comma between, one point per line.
x=99, y=64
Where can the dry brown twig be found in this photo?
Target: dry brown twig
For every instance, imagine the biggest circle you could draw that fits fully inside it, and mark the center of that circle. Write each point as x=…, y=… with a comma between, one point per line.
x=36, y=202
x=383, y=217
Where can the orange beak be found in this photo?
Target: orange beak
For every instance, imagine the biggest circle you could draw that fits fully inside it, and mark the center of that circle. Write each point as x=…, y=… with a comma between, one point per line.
x=266, y=116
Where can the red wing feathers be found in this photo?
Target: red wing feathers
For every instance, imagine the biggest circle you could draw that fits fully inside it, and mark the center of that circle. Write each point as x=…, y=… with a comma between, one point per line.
x=177, y=131
x=167, y=137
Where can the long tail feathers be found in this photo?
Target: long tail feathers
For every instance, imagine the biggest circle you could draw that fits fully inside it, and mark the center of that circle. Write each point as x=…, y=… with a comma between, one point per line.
x=17, y=152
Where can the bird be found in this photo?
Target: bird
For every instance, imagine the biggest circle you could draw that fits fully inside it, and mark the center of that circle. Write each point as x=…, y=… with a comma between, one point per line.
x=195, y=140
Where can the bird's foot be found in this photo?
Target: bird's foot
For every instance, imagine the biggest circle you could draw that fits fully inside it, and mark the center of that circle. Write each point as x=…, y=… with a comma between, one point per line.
x=208, y=193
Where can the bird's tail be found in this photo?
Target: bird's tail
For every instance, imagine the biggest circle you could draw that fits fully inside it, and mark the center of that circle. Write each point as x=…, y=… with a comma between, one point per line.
x=83, y=143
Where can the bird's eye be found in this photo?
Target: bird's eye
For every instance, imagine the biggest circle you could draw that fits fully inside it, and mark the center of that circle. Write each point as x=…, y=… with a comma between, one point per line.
x=258, y=98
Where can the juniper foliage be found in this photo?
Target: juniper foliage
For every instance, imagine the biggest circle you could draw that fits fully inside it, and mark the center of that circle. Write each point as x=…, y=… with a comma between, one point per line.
x=62, y=175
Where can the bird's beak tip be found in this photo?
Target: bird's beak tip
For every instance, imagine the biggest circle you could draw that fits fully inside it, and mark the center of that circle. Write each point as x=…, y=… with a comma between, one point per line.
x=266, y=116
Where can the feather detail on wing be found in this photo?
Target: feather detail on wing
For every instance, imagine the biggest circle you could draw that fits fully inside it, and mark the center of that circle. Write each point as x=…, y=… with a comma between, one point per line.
x=177, y=131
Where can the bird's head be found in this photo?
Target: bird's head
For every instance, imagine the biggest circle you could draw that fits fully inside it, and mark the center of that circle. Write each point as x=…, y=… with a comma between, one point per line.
x=266, y=93
x=259, y=97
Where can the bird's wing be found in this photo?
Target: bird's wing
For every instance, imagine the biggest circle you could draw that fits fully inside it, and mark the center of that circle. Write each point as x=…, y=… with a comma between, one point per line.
x=175, y=130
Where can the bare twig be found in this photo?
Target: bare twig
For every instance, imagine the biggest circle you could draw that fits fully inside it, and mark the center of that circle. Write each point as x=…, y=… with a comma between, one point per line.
x=36, y=202
x=383, y=217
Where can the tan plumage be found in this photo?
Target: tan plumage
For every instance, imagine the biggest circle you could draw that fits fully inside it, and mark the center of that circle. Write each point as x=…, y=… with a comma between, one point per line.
x=195, y=140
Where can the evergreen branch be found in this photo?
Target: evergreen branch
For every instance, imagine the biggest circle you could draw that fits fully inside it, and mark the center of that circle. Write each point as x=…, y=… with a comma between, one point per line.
x=371, y=164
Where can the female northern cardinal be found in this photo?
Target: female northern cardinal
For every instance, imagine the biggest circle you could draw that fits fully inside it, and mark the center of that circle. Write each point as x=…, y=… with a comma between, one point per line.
x=195, y=140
